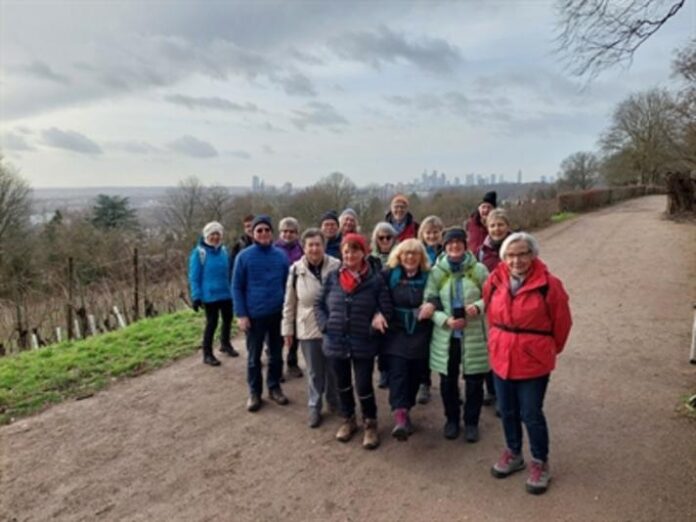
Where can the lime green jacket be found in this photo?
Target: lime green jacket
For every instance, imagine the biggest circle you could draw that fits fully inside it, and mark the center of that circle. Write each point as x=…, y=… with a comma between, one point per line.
x=440, y=286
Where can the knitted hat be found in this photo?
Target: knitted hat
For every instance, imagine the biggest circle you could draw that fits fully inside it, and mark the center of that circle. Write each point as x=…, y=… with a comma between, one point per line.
x=331, y=214
x=211, y=228
x=261, y=219
x=452, y=234
x=490, y=197
x=348, y=212
x=355, y=239
x=400, y=197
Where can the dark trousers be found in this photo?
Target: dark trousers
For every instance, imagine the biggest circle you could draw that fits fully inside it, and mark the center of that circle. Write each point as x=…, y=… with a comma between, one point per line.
x=405, y=375
x=490, y=384
x=362, y=369
x=291, y=359
x=449, y=389
x=522, y=401
x=262, y=328
x=212, y=311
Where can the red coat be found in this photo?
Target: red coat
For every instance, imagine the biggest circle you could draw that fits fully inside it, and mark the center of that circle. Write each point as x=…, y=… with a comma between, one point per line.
x=476, y=232
x=526, y=331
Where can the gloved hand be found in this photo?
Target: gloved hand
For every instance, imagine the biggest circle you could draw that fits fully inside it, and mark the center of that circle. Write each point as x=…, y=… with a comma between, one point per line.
x=197, y=304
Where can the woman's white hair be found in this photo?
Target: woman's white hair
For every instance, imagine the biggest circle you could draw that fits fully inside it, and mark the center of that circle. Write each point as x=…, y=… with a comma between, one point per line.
x=381, y=227
x=289, y=222
x=532, y=243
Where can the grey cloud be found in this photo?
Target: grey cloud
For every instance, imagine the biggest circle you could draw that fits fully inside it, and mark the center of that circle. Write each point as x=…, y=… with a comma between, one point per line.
x=23, y=129
x=241, y=154
x=190, y=146
x=305, y=58
x=41, y=70
x=267, y=149
x=318, y=114
x=221, y=104
x=295, y=84
x=70, y=140
x=134, y=147
x=15, y=142
x=401, y=101
x=386, y=46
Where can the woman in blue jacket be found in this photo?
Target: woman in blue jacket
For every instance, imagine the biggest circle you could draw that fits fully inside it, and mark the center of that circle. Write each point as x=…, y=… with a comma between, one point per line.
x=209, y=279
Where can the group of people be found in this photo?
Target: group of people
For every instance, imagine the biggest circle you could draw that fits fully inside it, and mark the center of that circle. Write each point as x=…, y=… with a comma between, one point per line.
x=474, y=302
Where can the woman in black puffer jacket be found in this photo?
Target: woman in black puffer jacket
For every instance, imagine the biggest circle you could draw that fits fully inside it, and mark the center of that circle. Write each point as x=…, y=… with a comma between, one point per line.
x=351, y=310
x=406, y=345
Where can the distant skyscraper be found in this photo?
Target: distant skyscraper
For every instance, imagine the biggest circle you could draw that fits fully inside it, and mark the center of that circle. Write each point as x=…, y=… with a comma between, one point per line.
x=543, y=179
x=492, y=179
x=255, y=184
x=469, y=179
x=519, y=176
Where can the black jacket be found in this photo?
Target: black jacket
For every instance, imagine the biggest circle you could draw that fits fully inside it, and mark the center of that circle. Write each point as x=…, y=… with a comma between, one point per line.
x=407, y=337
x=345, y=320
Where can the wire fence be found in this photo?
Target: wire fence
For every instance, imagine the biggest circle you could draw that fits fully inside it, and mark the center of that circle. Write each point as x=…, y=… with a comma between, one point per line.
x=88, y=299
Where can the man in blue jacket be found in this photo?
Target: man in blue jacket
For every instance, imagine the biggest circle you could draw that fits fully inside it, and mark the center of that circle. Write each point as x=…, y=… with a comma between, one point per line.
x=258, y=289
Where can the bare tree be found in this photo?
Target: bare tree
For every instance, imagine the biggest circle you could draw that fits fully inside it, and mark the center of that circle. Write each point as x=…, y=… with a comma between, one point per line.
x=15, y=204
x=684, y=68
x=643, y=128
x=594, y=35
x=579, y=171
x=181, y=212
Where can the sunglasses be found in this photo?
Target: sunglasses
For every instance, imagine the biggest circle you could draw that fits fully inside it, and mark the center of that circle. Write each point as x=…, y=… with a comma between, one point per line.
x=262, y=229
x=385, y=238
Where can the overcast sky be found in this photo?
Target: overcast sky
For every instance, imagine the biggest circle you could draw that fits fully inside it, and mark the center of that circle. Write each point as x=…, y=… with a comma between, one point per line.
x=148, y=93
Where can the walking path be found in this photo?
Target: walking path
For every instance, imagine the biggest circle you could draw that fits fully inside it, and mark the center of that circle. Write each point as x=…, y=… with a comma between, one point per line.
x=178, y=444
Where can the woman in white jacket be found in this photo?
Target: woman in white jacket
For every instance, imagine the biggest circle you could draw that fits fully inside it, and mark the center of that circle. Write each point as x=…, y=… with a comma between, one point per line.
x=303, y=286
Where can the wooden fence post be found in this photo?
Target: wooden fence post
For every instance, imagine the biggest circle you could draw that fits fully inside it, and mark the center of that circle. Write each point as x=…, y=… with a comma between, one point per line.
x=136, y=286
x=69, y=305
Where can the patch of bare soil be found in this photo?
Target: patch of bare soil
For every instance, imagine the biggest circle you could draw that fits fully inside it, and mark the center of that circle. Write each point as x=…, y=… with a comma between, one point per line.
x=178, y=444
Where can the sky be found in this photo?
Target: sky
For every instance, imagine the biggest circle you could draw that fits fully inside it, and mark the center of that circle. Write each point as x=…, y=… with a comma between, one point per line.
x=120, y=93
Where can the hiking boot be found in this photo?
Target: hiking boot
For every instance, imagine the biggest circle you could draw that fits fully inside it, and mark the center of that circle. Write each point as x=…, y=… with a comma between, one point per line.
x=489, y=399
x=423, y=395
x=471, y=433
x=401, y=424
x=539, y=477
x=229, y=350
x=451, y=429
x=210, y=359
x=347, y=429
x=371, y=436
x=314, y=418
x=507, y=464
x=294, y=372
x=277, y=396
x=383, y=380
x=253, y=403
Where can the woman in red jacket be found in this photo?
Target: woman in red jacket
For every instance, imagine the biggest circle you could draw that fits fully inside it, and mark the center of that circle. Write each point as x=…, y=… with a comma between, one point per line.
x=529, y=321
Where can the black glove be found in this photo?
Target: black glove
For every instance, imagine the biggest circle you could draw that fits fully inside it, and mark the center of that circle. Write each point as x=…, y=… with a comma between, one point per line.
x=197, y=304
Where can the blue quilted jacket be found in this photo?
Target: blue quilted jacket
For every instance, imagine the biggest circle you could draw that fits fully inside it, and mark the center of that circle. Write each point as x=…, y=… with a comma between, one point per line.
x=258, y=282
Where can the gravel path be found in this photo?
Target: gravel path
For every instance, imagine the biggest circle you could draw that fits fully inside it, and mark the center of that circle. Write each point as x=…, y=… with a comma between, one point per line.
x=177, y=444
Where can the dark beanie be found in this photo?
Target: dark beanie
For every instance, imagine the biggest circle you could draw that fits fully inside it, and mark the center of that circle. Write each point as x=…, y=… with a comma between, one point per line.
x=454, y=233
x=491, y=197
x=261, y=218
x=331, y=214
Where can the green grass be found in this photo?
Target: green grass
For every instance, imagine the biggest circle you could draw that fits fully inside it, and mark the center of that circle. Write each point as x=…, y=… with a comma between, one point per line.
x=562, y=216
x=31, y=380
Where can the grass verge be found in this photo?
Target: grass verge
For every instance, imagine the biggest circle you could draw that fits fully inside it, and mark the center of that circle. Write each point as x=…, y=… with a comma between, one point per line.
x=32, y=380
x=562, y=216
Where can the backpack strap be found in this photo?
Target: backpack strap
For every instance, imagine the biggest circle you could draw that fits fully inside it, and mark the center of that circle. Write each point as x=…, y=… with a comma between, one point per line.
x=202, y=254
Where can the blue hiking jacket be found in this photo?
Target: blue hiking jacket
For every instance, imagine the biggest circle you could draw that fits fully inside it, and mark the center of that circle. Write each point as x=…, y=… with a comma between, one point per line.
x=209, y=273
x=258, y=281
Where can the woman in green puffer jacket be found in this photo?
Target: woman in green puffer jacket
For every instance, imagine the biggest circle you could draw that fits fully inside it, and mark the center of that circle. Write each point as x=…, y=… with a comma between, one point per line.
x=459, y=336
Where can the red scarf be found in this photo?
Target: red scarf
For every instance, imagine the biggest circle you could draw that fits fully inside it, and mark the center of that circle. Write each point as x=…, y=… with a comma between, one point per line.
x=350, y=280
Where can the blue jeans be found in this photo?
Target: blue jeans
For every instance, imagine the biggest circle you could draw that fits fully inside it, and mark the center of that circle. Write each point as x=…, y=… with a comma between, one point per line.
x=261, y=328
x=522, y=401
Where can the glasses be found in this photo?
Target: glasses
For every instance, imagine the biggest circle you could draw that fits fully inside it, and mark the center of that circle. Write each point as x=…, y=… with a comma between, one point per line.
x=262, y=230
x=385, y=238
x=518, y=256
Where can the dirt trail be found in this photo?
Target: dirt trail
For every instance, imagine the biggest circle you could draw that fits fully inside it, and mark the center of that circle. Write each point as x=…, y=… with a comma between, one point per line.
x=178, y=445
